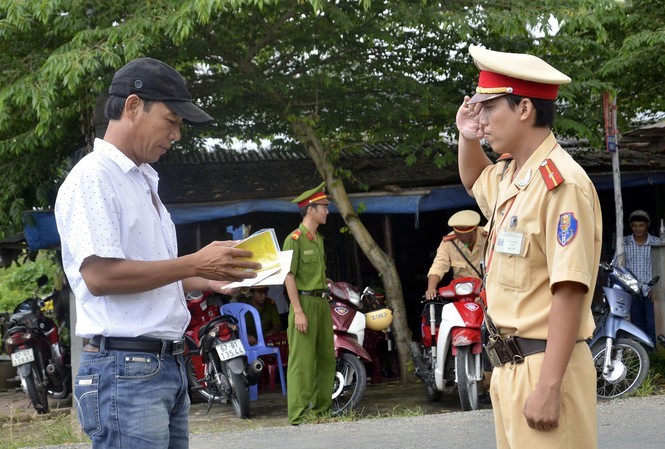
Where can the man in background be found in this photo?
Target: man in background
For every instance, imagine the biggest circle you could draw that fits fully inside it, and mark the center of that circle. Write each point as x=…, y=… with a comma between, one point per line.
x=462, y=250
x=270, y=320
x=311, y=367
x=637, y=249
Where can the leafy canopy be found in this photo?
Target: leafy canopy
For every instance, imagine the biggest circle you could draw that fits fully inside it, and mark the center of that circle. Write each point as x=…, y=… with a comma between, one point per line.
x=358, y=72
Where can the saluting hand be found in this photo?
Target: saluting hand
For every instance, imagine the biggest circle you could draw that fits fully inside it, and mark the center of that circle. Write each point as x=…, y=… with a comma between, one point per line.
x=468, y=120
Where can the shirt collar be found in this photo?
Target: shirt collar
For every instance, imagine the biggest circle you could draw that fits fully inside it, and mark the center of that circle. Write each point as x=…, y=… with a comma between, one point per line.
x=530, y=168
x=112, y=152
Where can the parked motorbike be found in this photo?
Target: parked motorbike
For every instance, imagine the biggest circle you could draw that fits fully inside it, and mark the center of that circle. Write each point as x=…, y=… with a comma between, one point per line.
x=349, y=324
x=217, y=367
x=450, y=351
x=32, y=341
x=621, y=361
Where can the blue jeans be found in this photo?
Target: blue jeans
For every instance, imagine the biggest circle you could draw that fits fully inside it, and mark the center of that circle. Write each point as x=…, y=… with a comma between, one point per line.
x=130, y=399
x=642, y=316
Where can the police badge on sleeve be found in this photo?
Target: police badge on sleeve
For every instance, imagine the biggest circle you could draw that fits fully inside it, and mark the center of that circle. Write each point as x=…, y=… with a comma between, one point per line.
x=566, y=229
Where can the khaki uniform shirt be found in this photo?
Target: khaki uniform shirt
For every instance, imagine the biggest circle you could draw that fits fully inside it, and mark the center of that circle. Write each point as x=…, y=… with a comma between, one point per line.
x=540, y=237
x=447, y=256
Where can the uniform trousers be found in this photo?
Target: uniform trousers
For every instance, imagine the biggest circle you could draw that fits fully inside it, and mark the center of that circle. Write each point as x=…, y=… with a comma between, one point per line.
x=311, y=366
x=511, y=386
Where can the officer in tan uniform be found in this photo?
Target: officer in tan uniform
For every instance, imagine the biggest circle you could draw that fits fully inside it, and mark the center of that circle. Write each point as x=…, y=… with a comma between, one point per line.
x=542, y=256
x=462, y=250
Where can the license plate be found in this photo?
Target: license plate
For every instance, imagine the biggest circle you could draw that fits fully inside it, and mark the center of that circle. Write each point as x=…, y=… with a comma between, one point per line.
x=23, y=357
x=230, y=349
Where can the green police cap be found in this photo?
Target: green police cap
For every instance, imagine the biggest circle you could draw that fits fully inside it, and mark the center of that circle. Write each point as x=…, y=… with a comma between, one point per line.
x=316, y=195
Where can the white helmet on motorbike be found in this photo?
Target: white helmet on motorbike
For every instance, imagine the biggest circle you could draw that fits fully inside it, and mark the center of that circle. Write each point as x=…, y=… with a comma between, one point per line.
x=378, y=320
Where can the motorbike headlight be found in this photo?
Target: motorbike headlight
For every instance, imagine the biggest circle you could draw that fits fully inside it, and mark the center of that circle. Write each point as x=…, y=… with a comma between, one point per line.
x=465, y=288
x=629, y=281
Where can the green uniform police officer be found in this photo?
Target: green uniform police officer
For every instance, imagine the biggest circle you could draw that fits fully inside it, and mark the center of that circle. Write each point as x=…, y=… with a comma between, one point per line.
x=311, y=366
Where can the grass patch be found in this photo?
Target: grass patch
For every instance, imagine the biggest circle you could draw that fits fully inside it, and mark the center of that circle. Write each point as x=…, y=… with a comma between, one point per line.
x=54, y=429
x=650, y=386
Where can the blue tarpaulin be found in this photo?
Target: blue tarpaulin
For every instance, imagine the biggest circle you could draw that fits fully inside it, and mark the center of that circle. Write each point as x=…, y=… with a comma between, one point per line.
x=40, y=229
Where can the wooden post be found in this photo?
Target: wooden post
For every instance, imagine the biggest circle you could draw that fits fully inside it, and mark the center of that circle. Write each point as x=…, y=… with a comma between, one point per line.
x=611, y=132
x=658, y=291
x=76, y=348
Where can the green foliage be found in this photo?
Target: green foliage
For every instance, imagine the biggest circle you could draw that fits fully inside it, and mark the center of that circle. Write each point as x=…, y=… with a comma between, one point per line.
x=658, y=364
x=20, y=282
x=358, y=73
x=649, y=386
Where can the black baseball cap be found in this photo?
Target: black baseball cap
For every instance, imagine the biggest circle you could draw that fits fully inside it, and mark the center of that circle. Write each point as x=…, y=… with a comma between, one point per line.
x=154, y=80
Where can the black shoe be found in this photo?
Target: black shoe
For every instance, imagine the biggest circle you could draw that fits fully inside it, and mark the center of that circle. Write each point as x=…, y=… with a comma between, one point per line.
x=485, y=399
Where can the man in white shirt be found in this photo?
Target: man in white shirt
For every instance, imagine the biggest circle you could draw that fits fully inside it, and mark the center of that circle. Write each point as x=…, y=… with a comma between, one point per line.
x=120, y=255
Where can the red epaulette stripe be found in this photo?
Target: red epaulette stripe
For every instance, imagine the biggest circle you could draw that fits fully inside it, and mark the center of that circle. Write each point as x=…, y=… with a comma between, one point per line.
x=296, y=235
x=550, y=174
x=505, y=156
x=449, y=238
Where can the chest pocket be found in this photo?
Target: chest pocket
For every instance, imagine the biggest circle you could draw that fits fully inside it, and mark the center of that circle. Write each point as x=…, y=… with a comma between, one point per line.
x=458, y=267
x=514, y=271
x=310, y=255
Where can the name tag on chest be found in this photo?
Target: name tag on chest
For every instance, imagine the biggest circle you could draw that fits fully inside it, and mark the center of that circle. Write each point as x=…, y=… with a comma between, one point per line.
x=509, y=242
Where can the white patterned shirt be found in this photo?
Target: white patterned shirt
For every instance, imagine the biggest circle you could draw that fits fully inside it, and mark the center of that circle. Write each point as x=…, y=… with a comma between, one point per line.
x=105, y=208
x=638, y=259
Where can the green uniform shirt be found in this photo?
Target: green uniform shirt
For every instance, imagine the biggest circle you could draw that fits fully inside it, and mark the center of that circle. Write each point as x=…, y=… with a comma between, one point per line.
x=308, y=264
x=268, y=313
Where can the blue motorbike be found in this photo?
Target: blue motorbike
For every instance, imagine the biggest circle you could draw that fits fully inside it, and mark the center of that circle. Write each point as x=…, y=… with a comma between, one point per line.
x=617, y=345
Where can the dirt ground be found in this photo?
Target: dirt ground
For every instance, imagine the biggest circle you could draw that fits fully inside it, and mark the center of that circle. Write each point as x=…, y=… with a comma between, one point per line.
x=383, y=399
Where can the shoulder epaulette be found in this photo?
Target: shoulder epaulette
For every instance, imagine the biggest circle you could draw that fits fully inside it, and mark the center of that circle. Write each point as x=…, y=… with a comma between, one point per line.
x=504, y=157
x=551, y=174
x=296, y=235
x=449, y=238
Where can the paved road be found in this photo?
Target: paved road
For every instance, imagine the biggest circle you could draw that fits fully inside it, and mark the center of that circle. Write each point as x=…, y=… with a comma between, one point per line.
x=623, y=424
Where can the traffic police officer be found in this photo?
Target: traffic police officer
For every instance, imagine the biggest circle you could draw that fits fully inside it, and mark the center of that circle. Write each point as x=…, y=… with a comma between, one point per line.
x=462, y=250
x=311, y=366
x=542, y=256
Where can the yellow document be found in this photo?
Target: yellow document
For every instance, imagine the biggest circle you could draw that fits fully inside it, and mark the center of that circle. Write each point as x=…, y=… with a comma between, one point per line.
x=264, y=246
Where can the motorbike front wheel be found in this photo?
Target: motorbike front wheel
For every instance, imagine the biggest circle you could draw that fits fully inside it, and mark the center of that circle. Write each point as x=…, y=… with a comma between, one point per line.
x=349, y=386
x=239, y=393
x=630, y=366
x=34, y=386
x=467, y=386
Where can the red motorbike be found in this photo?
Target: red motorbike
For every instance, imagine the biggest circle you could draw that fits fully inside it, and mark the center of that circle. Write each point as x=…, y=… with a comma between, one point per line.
x=350, y=320
x=451, y=348
x=217, y=367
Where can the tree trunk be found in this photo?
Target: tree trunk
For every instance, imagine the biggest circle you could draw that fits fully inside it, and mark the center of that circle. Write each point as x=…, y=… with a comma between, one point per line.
x=383, y=264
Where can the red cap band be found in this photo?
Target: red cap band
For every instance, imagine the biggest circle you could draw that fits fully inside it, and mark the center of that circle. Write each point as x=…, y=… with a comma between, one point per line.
x=464, y=229
x=495, y=83
x=318, y=196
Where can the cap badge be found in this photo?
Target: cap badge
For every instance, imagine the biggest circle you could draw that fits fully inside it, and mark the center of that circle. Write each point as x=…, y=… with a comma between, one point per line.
x=138, y=84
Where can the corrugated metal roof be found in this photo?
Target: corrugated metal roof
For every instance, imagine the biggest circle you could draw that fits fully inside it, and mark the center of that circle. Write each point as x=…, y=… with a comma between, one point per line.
x=229, y=175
